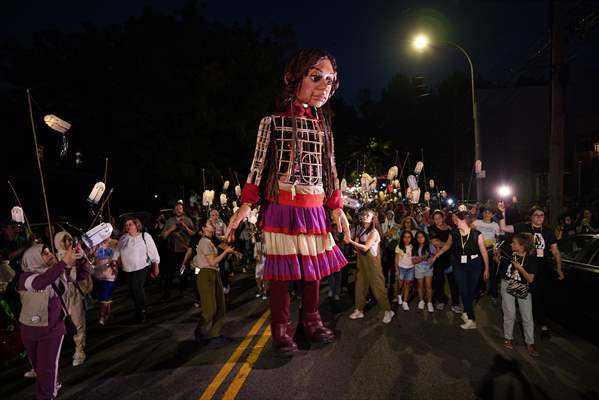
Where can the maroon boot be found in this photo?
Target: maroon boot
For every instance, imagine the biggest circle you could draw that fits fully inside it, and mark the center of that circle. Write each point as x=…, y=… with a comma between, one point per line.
x=315, y=330
x=282, y=338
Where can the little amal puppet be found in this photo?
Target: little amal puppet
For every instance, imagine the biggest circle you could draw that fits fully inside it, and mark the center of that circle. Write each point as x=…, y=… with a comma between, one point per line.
x=293, y=177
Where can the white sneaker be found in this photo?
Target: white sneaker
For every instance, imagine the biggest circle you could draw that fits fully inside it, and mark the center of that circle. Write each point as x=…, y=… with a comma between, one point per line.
x=465, y=317
x=196, y=304
x=430, y=307
x=388, y=316
x=357, y=314
x=226, y=290
x=457, y=309
x=264, y=297
x=440, y=306
x=78, y=359
x=421, y=305
x=405, y=306
x=330, y=292
x=468, y=325
x=30, y=374
x=399, y=299
x=258, y=295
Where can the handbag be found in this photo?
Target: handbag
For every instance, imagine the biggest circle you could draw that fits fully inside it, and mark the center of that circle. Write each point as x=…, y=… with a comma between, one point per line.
x=88, y=300
x=68, y=321
x=517, y=288
x=155, y=270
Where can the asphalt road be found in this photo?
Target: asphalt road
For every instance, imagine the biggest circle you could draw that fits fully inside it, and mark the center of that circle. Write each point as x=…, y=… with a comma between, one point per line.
x=417, y=356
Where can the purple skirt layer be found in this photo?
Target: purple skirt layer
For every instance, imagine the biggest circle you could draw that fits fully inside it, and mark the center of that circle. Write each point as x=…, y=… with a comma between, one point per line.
x=293, y=267
x=294, y=220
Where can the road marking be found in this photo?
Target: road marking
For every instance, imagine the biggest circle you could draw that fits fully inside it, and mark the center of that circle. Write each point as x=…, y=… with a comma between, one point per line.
x=247, y=366
x=226, y=369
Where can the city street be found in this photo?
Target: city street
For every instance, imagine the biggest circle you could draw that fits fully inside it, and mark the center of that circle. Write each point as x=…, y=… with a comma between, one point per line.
x=417, y=356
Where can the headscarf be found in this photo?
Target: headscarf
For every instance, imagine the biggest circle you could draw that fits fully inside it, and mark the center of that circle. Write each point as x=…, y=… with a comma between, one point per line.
x=32, y=260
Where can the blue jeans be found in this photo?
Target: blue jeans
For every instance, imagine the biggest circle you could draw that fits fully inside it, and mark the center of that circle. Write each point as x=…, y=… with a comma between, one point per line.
x=467, y=276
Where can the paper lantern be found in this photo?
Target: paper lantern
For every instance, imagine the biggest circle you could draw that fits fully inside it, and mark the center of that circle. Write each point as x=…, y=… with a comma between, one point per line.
x=427, y=196
x=412, y=182
x=96, y=193
x=431, y=183
x=223, y=199
x=226, y=186
x=478, y=166
x=56, y=123
x=97, y=235
x=418, y=169
x=343, y=185
x=382, y=195
x=393, y=171
x=238, y=191
x=17, y=214
x=414, y=196
x=372, y=185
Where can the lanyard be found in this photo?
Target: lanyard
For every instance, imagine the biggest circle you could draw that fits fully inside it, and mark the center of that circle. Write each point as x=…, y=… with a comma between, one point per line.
x=464, y=242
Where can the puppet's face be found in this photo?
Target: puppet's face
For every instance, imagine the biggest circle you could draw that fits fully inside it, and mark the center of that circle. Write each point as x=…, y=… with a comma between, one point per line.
x=315, y=88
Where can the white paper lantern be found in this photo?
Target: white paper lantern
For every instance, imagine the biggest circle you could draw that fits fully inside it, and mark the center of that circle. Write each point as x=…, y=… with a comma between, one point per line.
x=97, y=235
x=56, y=123
x=382, y=195
x=431, y=183
x=427, y=196
x=343, y=185
x=225, y=186
x=96, y=193
x=17, y=214
x=478, y=166
x=419, y=167
x=223, y=199
x=415, y=196
x=393, y=171
x=412, y=182
x=238, y=191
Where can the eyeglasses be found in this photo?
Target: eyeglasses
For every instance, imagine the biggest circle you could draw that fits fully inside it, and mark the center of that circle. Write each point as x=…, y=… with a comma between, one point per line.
x=538, y=215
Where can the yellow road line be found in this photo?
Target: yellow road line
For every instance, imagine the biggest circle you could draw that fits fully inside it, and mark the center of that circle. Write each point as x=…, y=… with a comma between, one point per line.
x=226, y=369
x=246, y=367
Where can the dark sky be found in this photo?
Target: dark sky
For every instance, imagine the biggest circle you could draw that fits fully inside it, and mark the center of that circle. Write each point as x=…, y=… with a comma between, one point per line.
x=369, y=38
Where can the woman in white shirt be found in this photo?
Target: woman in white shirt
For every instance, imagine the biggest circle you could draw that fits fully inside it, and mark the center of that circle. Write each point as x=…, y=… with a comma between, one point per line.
x=137, y=252
x=370, y=272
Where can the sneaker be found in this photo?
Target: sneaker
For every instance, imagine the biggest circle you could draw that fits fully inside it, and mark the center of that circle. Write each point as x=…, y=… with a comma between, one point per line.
x=196, y=304
x=264, y=297
x=336, y=297
x=465, y=317
x=468, y=325
x=405, y=306
x=101, y=322
x=388, y=316
x=508, y=344
x=532, y=351
x=357, y=314
x=330, y=292
x=421, y=305
x=440, y=306
x=78, y=359
x=30, y=374
x=258, y=295
x=430, y=307
x=399, y=299
x=226, y=290
x=457, y=309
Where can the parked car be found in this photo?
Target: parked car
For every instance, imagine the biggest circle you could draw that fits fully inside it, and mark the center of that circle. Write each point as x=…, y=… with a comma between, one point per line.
x=572, y=302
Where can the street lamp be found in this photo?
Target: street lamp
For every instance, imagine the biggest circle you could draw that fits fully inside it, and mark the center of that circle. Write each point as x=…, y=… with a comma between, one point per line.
x=421, y=42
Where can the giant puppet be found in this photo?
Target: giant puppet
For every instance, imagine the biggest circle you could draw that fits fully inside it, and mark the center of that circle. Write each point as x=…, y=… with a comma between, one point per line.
x=293, y=178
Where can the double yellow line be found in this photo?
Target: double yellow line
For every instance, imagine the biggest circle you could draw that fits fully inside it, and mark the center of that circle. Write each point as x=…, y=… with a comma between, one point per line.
x=246, y=367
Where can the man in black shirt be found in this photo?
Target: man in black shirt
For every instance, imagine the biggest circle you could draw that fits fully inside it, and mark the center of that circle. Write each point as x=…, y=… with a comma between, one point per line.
x=545, y=242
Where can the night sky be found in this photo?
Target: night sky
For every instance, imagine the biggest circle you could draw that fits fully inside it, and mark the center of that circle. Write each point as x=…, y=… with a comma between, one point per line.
x=369, y=39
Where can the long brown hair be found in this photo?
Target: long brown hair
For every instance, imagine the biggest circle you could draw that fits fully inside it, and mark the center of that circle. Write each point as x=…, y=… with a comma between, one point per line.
x=295, y=71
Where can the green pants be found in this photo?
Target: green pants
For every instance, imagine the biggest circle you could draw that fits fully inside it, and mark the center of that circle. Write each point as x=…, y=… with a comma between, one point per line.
x=370, y=275
x=213, y=302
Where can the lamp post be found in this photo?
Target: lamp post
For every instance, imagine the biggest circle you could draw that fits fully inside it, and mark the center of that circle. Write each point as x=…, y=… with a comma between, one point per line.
x=421, y=43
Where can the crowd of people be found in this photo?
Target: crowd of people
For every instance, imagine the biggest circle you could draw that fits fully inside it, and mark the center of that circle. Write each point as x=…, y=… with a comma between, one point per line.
x=403, y=253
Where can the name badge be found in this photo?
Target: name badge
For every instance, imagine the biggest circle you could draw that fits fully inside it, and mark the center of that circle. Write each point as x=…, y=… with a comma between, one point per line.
x=540, y=253
x=464, y=260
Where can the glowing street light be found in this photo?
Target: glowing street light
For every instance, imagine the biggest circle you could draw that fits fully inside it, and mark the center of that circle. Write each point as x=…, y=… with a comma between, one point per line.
x=504, y=191
x=420, y=43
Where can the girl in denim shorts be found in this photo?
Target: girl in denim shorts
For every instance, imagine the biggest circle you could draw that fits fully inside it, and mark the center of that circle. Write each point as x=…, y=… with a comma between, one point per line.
x=404, y=267
x=423, y=258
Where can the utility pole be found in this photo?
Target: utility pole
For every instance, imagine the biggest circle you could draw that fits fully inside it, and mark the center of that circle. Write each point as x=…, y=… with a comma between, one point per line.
x=558, y=111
